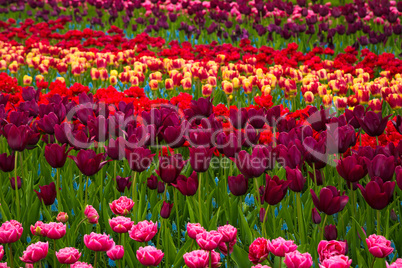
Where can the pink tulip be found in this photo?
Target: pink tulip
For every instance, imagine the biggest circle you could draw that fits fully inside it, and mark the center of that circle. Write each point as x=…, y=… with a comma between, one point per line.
x=91, y=214
x=149, y=256
x=328, y=249
x=122, y=206
x=35, y=252
x=143, y=231
x=340, y=261
x=209, y=240
x=39, y=229
x=223, y=248
x=62, y=217
x=98, y=242
x=379, y=246
x=121, y=224
x=396, y=264
x=228, y=233
x=55, y=230
x=10, y=232
x=115, y=253
x=258, y=250
x=68, y=255
x=193, y=229
x=200, y=259
x=279, y=247
x=3, y=265
x=1, y=252
x=295, y=259
x=79, y=264
x=260, y=266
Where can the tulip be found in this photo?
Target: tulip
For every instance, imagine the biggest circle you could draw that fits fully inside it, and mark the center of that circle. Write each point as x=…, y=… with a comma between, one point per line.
x=378, y=194
x=230, y=145
x=39, y=229
x=139, y=159
x=187, y=186
x=202, y=107
x=91, y=214
x=296, y=178
x=258, y=250
x=379, y=246
x=193, y=229
x=62, y=217
x=256, y=117
x=174, y=135
x=122, y=206
x=35, y=252
x=327, y=249
x=121, y=224
x=200, y=259
x=47, y=194
x=223, y=247
x=19, y=182
x=56, y=155
x=98, y=242
x=79, y=264
x=275, y=190
x=251, y=136
x=398, y=175
x=315, y=216
x=68, y=255
x=144, y=231
x=373, y=123
x=7, y=163
x=339, y=261
x=280, y=247
x=166, y=209
x=10, y=232
x=228, y=233
x=291, y=157
x=1, y=252
x=330, y=232
x=381, y=166
x=315, y=152
x=63, y=132
x=18, y=138
x=149, y=256
x=296, y=259
x=397, y=263
x=55, y=230
x=260, y=266
x=170, y=167
x=161, y=187
x=152, y=182
x=331, y=201
x=352, y=168
x=115, y=253
x=47, y=123
x=209, y=240
x=238, y=185
x=200, y=158
x=123, y=183
x=238, y=118
x=115, y=148
x=88, y=162
x=254, y=165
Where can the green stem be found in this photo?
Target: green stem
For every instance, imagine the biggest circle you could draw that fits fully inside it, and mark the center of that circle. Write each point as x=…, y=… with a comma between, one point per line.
x=96, y=259
x=176, y=204
x=134, y=187
x=210, y=259
x=86, y=191
x=372, y=263
x=376, y=138
x=323, y=226
x=54, y=255
x=228, y=260
x=10, y=257
x=378, y=222
x=280, y=262
x=264, y=230
x=299, y=218
x=60, y=206
x=17, y=196
x=199, y=196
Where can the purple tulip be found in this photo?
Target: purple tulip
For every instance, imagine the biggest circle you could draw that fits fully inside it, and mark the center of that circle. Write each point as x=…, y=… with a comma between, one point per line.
x=290, y=157
x=170, y=167
x=238, y=118
x=296, y=178
x=187, y=186
x=115, y=148
x=381, y=166
x=230, y=145
x=47, y=194
x=174, y=135
x=56, y=155
x=330, y=232
x=19, y=182
x=315, y=215
x=139, y=159
x=63, y=132
x=331, y=201
x=398, y=172
x=256, y=117
x=7, y=163
x=238, y=185
x=373, y=123
x=272, y=115
x=251, y=136
x=378, y=194
x=275, y=190
x=352, y=168
x=166, y=209
x=19, y=138
x=88, y=162
x=152, y=182
x=98, y=128
x=200, y=157
x=47, y=123
x=123, y=183
x=200, y=108
x=254, y=165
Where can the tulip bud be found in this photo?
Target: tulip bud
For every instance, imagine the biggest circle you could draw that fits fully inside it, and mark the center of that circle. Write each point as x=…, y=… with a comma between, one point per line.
x=113, y=80
x=152, y=182
x=327, y=100
x=161, y=187
x=166, y=209
x=236, y=83
x=227, y=87
x=393, y=215
x=262, y=214
x=62, y=217
x=206, y=90
x=186, y=83
x=238, y=185
x=153, y=84
x=247, y=86
x=19, y=182
x=3, y=65
x=27, y=80
x=169, y=85
x=39, y=78
x=61, y=79
x=123, y=183
x=134, y=80
x=315, y=215
x=330, y=232
x=211, y=80
x=340, y=103
x=309, y=97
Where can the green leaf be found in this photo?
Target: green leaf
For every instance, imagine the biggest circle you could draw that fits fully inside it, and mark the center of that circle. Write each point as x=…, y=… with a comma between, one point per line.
x=240, y=257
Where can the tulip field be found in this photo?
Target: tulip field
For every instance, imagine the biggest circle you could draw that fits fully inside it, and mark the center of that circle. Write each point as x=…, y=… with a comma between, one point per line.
x=200, y=134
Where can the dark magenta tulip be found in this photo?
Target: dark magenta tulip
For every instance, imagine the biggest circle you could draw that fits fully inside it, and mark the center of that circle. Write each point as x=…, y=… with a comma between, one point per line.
x=331, y=201
x=296, y=178
x=398, y=175
x=47, y=194
x=315, y=152
x=289, y=157
x=398, y=123
x=115, y=148
x=230, y=145
x=88, y=162
x=47, y=123
x=56, y=155
x=254, y=165
x=152, y=182
x=352, y=168
x=139, y=159
x=381, y=166
x=340, y=139
x=200, y=157
x=166, y=209
x=19, y=138
x=98, y=128
x=256, y=118
x=275, y=189
x=272, y=115
x=330, y=232
x=19, y=182
x=238, y=185
x=378, y=194
x=318, y=177
x=174, y=135
x=63, y=132
x=373, y=123
x=170, y=167
x=200, y=108
x=315, y=215
x=123, y=183
x=238, y=117
x=251, y=136
x=7, y=163
x=188, y=186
